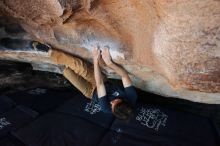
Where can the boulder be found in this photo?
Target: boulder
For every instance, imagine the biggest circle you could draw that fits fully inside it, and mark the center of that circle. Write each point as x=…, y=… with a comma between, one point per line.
x=170, y=47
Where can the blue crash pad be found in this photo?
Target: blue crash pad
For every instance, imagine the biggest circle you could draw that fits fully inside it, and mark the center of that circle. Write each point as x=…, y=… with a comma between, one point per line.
x=153, y=123
x=57, y=129
x=10, y=141
x=41, y=100
x=84, y=108
x=80, y=122
x=15, y=119
x=6, y=104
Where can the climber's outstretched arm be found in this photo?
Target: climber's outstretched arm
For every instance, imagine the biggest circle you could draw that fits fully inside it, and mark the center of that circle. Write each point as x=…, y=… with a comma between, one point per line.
x=101, y=91
x=118, y=69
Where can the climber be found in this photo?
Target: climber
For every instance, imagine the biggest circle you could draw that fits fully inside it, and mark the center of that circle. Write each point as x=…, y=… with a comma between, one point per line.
x=111, y=98
x=90, y=81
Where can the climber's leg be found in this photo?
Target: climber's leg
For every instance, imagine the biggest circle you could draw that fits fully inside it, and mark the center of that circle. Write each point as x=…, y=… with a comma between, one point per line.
x=76, y=64
x=80, y=83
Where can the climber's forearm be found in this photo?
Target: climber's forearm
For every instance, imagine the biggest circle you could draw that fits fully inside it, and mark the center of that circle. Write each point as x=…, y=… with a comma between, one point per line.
x=118, y=69
x=97, y=73
x=99, y=80
x=123, y=73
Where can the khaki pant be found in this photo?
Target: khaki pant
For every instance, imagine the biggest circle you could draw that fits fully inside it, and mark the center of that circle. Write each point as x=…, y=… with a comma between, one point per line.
x=80, y=74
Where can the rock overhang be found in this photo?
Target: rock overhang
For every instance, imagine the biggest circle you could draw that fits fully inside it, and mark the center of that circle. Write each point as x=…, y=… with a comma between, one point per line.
x=171, y=48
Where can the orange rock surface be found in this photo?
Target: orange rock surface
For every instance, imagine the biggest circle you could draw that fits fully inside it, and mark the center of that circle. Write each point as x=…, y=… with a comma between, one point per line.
x=169, y=46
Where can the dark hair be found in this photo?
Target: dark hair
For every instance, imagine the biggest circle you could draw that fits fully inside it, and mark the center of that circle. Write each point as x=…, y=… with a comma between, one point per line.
x=123, y=110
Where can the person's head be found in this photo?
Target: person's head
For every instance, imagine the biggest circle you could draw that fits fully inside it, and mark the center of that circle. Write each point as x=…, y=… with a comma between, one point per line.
x=121, y=109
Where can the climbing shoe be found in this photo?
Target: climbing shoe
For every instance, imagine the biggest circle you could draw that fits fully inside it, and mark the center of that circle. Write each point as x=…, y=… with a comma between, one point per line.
x=40, y=47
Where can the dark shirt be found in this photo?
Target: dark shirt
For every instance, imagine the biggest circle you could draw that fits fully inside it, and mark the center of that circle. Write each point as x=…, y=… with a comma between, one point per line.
x=115, y=92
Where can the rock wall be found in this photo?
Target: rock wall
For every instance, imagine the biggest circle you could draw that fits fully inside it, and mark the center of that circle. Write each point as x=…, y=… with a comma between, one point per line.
x=170, y=47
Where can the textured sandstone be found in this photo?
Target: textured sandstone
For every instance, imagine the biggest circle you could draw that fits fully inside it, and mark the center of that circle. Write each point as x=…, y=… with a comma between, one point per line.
x=170, y=47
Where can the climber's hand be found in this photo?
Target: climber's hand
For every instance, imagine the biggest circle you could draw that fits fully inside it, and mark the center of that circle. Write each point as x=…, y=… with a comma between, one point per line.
x=106, y=56
x=96, y=54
